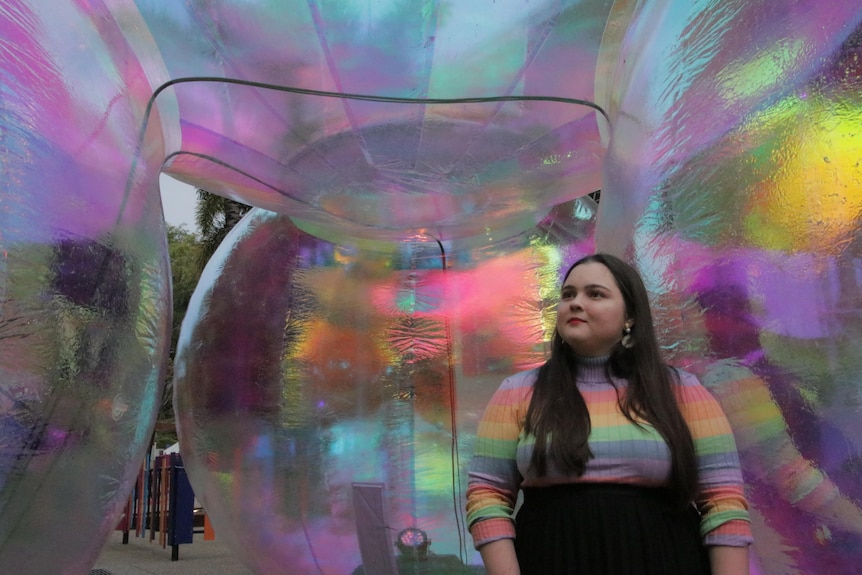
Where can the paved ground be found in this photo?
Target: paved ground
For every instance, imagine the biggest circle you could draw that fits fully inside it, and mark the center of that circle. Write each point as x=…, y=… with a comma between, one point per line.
x=143, y=557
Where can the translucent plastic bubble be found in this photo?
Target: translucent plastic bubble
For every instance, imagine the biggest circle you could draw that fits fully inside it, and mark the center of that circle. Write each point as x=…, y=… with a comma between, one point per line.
x=83, y=323
x=331, y=403
x=84, y=285
x=723, y=136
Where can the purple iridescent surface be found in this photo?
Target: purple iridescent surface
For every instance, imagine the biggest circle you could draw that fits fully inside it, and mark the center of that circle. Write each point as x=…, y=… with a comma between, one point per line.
x=422, y=170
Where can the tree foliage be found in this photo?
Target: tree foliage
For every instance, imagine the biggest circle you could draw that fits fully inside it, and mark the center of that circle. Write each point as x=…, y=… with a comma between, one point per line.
x=184, y=251
x=189, y=253
x=215, y=216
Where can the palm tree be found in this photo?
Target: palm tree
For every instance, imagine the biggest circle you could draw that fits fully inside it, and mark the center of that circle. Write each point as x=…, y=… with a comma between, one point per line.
x=189, y=253
x=183, y=249
x=215, y=216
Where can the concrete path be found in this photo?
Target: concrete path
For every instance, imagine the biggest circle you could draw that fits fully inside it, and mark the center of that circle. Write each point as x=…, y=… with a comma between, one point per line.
x=143, y=557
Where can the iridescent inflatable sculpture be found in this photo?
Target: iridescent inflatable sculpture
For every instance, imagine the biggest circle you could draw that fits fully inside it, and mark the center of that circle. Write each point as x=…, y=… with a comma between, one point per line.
x=423, y=169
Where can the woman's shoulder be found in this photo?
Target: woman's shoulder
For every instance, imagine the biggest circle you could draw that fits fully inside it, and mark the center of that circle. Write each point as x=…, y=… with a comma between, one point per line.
x=690, y=387
x=685, y=378
x=515, y=390
x=522, y=379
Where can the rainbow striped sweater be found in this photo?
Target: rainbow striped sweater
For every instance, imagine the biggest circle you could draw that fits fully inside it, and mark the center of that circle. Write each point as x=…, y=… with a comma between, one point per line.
x=624, y=453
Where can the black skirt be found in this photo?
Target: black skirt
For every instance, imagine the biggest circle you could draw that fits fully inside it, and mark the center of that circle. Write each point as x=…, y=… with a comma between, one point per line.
x=603, y=529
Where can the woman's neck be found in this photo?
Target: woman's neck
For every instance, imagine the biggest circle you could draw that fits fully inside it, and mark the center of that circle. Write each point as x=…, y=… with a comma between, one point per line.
x=592, y=369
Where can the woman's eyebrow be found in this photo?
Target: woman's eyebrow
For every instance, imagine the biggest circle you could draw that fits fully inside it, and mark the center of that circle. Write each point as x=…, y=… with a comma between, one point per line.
x=586, y=287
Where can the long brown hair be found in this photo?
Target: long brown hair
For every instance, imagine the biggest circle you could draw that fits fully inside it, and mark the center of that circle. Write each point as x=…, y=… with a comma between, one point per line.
x=558, y=409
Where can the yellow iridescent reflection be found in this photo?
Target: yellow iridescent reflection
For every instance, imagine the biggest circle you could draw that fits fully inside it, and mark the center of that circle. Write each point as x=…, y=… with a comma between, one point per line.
x=745, y=79
x=433, y=464
x=813, y=200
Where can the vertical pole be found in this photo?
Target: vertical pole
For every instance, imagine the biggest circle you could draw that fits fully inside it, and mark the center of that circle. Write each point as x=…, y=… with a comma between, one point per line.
x=148, y=496
x=126, y=519
x=139, y=499
x=163, y=503
x=181, y=507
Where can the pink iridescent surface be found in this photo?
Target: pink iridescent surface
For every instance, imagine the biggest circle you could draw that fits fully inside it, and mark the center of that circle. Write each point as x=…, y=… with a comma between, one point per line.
x=423, y=171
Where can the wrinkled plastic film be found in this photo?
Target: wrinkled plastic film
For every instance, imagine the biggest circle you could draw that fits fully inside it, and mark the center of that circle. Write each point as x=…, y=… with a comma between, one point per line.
x=352, y=367
x=417, y=250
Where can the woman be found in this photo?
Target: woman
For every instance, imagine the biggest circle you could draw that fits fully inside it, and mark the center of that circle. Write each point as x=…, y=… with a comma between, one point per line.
x=626, y=465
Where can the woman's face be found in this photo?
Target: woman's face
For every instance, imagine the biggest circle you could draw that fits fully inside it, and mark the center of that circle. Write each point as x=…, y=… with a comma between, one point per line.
x=591, y=314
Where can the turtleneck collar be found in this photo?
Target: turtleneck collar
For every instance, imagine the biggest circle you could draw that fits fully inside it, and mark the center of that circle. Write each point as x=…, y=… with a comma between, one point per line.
x=592, y=369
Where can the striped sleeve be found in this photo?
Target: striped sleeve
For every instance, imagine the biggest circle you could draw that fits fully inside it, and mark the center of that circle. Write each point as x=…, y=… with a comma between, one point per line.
x=494, y=478
x=721, y=496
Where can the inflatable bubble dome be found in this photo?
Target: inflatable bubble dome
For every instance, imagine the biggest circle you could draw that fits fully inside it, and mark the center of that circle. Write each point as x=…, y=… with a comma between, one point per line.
x=421, y=173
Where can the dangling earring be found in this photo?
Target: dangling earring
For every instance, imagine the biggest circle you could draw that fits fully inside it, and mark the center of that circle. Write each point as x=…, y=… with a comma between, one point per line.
x=627, y=341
